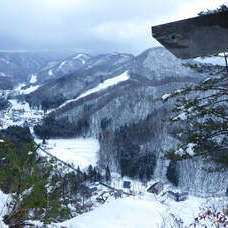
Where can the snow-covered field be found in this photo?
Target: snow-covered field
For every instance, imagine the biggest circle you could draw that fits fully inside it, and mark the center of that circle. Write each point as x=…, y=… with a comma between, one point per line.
x=121, y=213
x=81, y=152
x=145, y=211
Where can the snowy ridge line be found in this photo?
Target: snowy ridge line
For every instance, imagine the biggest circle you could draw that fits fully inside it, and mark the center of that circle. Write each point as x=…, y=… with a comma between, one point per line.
x=79, y=171
x=100, y=87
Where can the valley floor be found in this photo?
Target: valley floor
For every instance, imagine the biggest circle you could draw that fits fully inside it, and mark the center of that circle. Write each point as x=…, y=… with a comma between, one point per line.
x=144, y=210
x=81, y=152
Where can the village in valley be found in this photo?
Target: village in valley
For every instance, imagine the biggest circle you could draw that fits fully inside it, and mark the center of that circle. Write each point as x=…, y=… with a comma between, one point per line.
x=18, y=112
x=114, y=137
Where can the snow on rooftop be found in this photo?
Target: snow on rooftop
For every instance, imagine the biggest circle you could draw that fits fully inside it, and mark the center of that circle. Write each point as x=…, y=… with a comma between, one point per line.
x=33, y=79
x=190, y=149
x=166, y=96
x=17, y=105
x=181, y=116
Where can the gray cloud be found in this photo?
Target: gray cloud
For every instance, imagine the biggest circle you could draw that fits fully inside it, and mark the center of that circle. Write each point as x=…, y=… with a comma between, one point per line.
x=94, y=25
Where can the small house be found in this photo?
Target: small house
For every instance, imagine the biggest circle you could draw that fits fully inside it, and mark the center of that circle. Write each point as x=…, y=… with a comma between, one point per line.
x=177, y=196
x=156, y=188
x=127, y=184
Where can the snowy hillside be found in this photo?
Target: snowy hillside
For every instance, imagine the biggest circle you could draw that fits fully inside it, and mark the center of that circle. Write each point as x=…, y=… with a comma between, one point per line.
x=19, y=66
x=112, y=103
x=102, y=86
x=147, y=210
x=57, y=69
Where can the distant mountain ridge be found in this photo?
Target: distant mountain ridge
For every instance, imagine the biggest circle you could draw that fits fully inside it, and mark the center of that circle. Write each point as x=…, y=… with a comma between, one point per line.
x=116, y=98
x=128, y=117
x=18, y=66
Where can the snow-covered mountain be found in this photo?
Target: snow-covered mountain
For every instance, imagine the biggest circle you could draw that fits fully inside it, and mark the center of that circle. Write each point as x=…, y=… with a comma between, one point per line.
x=115, y=98
x=107, y=111
x=20, y=66
x=90, y=73
x=57, y=69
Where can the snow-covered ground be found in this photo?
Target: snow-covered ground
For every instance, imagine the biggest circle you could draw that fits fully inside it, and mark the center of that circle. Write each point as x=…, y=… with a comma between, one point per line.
x=4, y=199
x=147, y=211
x=140, y=211
x=121, y=213
x=81, y=152
x=216, y=60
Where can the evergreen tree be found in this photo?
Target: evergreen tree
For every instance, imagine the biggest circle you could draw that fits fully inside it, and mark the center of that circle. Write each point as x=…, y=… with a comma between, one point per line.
x=97, y=175
x=202, y=111
x=107, y=174
x=37, y=192
x=90, y=171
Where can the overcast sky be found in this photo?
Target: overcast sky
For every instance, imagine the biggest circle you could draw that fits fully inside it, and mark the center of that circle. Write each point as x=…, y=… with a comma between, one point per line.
x=90, y=25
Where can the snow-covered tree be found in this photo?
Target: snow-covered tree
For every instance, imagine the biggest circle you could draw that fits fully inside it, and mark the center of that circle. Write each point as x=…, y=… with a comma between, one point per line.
x=220, y=9
x=203, y=112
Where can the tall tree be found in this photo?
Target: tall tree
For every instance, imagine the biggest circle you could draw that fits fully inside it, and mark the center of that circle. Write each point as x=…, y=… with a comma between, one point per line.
x=203, y=111
x=107, y=174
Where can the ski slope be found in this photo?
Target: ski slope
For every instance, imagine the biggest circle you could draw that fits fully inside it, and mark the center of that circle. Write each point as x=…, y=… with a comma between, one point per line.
x=102, y=86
